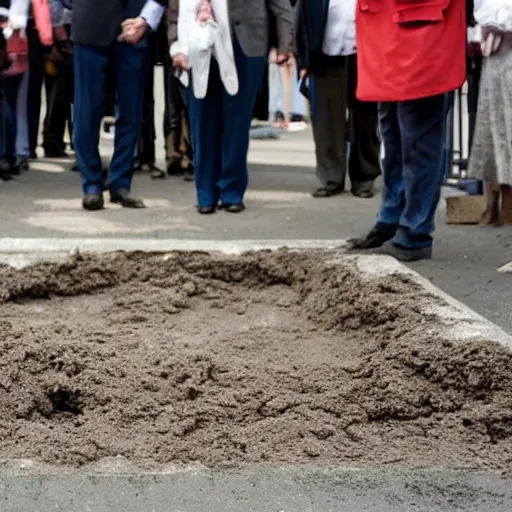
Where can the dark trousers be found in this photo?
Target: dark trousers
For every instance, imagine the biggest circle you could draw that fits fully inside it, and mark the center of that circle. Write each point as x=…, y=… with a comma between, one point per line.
x=146, y=154
x=90, y=65
x=10, y=86
x=364, y=165
x=260, y=110
x=174, y=102
x=474, y=72
x=413, y=133
x=35, y=84
x=176, y=122
x=59, y=95
x=219, y=127
x=333, y=92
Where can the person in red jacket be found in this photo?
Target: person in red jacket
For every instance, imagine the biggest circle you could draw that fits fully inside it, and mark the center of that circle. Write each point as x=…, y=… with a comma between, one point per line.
x=410, y=54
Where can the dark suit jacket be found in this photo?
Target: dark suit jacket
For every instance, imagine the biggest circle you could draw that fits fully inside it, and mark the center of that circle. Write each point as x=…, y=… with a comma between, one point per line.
x=251, y=24
x=312, y=22
x=98, y=22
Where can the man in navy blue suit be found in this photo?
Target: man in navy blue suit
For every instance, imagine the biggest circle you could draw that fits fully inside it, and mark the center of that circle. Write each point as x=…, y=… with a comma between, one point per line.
x=105, y=31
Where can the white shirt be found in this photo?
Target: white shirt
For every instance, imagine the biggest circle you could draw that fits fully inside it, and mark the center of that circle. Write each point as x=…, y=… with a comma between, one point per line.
x=152, y=13
x=340, y=32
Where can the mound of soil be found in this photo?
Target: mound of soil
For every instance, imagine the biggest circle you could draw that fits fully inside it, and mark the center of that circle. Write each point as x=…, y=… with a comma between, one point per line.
x=268, y=358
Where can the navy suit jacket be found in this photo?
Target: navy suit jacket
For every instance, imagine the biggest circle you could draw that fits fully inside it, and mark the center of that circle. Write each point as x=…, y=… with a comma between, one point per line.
x=312, y=22
x=98, y=22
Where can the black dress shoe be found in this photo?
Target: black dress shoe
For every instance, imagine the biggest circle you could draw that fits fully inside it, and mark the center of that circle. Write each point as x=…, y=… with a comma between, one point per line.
x=123, y=197
x=5, y=171
x=233, y=208
x=93, y=202
x=156, y=173
x=378, y=236
x=188, y=174
x=206, y=210
x=405, y=254
x=24, y=165
x=56, y=153
x=5, y=175
x=328, y=191
x=363, y=193
x=173, y=166
x=363, y=189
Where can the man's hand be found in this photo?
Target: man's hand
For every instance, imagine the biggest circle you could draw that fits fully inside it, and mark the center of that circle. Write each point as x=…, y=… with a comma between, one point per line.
x=133, y=30
x=284, y=58
x=180, y=62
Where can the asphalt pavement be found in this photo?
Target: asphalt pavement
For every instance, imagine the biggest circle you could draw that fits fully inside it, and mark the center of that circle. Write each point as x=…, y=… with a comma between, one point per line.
x=291, y=490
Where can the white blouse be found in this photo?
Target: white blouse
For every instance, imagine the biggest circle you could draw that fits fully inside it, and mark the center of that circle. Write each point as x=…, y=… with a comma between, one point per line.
x=340, y=32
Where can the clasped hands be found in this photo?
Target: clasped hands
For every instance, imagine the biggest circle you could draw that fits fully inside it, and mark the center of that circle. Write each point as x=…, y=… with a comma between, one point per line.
x=133, y=30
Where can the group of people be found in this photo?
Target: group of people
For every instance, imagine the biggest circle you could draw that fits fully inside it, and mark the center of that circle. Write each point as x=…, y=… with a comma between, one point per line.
x=376, y=72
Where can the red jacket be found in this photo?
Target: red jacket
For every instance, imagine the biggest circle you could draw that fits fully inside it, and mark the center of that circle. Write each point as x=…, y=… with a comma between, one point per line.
x=410, y=49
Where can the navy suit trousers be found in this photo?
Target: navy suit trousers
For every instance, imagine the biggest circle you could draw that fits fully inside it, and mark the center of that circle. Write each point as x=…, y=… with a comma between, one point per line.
x=219, y=127
x=131, y=70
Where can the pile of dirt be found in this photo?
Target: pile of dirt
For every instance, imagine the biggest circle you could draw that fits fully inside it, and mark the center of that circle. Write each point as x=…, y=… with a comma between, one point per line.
x=269, y=358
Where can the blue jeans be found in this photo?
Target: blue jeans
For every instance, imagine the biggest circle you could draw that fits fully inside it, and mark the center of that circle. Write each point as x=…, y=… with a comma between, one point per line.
x=219, y=129
x=413, y=133
x=22, y=133
x=131, y=68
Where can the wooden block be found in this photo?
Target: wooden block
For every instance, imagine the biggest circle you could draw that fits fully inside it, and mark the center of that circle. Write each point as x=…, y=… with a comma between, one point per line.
x=464, y=209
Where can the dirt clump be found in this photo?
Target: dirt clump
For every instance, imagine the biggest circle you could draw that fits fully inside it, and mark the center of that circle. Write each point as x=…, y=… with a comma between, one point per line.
x=267, y=358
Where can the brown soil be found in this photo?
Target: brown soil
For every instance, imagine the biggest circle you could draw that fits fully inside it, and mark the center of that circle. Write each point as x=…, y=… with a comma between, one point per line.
x=273, y=358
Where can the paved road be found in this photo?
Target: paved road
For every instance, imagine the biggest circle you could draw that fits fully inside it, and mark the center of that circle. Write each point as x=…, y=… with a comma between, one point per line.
x=270, y=491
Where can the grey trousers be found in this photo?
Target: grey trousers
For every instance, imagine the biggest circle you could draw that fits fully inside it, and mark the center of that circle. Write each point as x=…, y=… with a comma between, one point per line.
x=341, y=118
